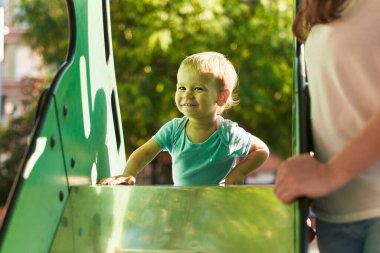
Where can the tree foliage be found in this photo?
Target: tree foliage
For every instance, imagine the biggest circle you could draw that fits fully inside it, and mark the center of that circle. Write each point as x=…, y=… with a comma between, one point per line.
x=150, y=39
x=13, y=141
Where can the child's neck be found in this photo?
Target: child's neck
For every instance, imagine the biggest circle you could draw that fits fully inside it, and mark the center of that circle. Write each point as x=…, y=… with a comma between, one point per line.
x=199, y=131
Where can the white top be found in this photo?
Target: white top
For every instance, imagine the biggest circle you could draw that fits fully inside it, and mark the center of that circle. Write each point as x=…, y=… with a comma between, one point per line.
x=343, y=67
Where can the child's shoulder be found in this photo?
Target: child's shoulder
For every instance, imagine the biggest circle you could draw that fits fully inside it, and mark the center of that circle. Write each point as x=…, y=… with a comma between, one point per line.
x=229, y=129
x=180, y=122
x=225, y=124
x=225, y=128
x=176, y=123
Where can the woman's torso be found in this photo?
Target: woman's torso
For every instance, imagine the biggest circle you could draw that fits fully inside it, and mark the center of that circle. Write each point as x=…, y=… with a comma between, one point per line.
x=343, y=66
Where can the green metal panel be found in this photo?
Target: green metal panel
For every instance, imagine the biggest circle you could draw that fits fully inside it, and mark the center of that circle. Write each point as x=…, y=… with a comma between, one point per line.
x=176, y=219
x=80, y=110
x=87, y=100
x=41, y=196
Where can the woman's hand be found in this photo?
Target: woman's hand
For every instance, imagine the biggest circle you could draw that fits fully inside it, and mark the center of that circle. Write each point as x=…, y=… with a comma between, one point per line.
x=303, y=176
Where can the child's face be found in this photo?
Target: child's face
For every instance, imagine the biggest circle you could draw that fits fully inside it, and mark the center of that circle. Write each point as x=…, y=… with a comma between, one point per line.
x=197, y=93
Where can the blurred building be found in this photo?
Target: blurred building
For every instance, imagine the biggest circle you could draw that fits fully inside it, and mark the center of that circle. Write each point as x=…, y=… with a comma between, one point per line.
x=21, y=69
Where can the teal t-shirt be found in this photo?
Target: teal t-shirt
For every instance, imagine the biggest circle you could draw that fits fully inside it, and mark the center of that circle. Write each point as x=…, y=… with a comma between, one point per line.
x=206, y=163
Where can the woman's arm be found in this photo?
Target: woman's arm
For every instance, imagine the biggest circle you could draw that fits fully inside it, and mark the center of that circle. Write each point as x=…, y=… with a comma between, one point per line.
x=305, y=176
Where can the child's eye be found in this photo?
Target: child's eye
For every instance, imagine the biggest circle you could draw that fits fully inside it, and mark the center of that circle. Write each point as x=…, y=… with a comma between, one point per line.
x=198, y=88
x=181, y=88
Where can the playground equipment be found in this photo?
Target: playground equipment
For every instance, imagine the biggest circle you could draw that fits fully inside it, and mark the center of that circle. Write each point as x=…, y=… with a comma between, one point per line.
x=55, y=205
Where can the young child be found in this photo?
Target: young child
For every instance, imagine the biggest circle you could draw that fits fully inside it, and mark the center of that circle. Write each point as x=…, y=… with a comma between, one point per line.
x=206, y=149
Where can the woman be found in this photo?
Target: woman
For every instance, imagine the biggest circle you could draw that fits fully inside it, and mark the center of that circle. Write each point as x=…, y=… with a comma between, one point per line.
x=342, y=53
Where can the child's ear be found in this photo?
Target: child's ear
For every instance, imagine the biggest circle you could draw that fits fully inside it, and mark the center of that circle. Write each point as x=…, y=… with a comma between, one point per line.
x=223, y=96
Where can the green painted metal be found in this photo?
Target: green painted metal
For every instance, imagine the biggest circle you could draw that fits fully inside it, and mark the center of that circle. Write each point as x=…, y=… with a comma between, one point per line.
x=302, y=140
x=176, y=219
x=92, y=142
x=41, y=195
x=80, y=111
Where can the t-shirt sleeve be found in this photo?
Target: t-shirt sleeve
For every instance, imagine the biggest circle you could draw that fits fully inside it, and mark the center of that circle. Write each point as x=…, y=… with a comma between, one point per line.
x=165, y=135
x=236, y=138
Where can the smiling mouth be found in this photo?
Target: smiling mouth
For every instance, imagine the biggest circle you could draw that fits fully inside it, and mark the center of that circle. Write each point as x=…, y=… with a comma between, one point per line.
x=188, y=105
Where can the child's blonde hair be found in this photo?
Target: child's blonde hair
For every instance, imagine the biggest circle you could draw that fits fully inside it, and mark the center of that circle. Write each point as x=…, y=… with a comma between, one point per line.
x=221, y=68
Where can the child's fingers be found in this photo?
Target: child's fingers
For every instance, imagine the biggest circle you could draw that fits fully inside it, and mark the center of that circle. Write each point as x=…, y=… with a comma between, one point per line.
x=132, y=181
x=128, y=180
x=122, y=180
x=106, y=181
x=118, y=180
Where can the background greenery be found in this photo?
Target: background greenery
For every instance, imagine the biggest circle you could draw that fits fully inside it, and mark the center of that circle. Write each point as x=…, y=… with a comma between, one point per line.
x=150, y=39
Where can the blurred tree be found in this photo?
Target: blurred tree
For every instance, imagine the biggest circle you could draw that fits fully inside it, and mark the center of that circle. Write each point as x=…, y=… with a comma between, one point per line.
x=47, y=25
x=13, y=141
x=151, y=37
x=150, y=43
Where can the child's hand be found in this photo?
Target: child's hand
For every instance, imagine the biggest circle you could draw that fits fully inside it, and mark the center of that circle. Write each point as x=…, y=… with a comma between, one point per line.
x=118, y=180
x=235, y=178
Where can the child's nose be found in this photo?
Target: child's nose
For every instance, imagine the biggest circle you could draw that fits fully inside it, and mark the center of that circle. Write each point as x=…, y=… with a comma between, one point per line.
x=189, y=93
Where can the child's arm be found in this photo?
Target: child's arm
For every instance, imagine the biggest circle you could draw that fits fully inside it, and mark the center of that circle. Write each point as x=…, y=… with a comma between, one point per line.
x=136, y=162
x=257, y=155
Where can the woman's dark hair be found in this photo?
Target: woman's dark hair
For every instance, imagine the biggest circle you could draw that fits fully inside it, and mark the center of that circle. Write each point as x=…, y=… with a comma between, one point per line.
x=312, y=12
